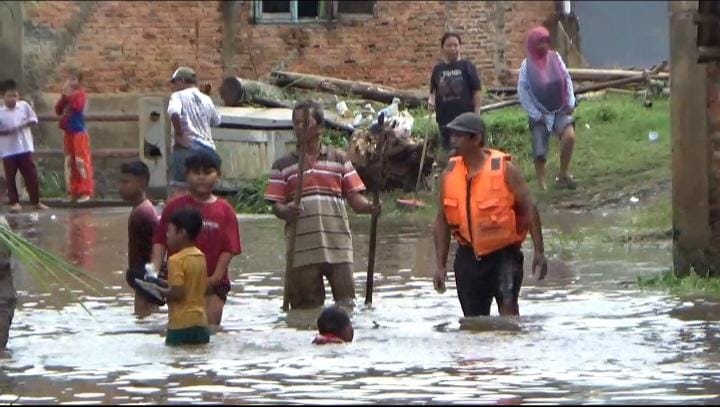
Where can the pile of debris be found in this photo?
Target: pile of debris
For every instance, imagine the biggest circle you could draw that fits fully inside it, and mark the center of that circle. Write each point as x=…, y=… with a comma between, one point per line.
x=406, y=152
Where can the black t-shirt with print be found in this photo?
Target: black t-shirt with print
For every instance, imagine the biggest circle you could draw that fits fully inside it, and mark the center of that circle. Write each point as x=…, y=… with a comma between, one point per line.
x=453, y=84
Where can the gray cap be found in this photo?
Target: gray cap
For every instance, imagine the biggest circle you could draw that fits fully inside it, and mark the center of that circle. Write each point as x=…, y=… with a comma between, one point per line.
x=469, y=122
x=183, y=72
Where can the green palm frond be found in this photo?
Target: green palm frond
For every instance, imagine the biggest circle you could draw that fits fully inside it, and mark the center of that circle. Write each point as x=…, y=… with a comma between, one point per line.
x=46, y=267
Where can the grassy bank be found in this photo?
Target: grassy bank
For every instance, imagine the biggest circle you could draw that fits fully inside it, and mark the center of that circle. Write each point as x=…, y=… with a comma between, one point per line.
x=612, y=154
x=613, y=158
x=692, y=285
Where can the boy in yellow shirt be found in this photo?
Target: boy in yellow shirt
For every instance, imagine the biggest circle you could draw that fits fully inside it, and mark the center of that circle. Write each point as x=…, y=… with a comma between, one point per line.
x=187, y=280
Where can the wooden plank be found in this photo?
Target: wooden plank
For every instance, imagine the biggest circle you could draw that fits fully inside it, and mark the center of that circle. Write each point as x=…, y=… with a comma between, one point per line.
x=249, y=135
x=706, y=54
x=95, y=117
x=581, y=74
x=257, y=117
x=98, y=153
x=690, y=168
x=706, y=19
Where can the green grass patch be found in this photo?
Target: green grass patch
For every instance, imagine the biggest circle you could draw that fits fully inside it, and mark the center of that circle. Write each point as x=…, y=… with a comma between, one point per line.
x=52, y=184
x=612, y=149
x=691, y=285
x=251, y=197
x=651, y=217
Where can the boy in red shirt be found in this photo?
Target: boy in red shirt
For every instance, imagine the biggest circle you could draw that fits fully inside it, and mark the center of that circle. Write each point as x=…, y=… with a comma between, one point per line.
x=143, y=220
x=219, y=239
x=78, y=158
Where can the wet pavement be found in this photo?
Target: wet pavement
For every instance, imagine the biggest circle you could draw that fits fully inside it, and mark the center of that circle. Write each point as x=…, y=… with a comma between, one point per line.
x=587, y=334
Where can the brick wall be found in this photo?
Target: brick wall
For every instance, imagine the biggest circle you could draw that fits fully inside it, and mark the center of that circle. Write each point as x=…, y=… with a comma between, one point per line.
x=134, y=46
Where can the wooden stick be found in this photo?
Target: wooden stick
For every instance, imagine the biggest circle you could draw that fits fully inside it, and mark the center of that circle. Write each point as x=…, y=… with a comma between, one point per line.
x=422, y=160
x=580, y=74
x=579, y=91
x=382, y=142
x=292, y=226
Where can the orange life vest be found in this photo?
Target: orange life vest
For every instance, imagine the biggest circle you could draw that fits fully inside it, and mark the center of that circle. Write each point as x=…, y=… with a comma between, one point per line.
x=481, y=211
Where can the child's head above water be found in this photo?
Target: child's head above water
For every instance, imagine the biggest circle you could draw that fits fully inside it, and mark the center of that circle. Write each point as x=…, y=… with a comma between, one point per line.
x=202, y=171
x=134, y=178
x=335, y=321
x=184, y=227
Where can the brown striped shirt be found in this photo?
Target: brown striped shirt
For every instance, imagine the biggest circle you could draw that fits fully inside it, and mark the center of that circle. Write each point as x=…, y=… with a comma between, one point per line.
x=323, y=232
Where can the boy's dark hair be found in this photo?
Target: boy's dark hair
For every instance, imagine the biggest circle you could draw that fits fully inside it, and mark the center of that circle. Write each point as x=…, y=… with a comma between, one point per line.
x=136, y=168
x=189, y=220
x=450, y=35
x=316, y=110
x=200, y=160
x=332, y=320
x=8, y=85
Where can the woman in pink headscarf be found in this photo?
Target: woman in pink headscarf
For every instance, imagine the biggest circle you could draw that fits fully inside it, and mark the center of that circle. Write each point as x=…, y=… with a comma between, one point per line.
x=546, y=93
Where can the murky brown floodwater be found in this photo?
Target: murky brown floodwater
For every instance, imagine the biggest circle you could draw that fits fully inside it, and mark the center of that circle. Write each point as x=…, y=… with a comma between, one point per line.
x=586, y=336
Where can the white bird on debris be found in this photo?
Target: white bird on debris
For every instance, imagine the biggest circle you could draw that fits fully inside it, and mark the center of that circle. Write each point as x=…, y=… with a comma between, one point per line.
x=365, y=117
x=392, y=110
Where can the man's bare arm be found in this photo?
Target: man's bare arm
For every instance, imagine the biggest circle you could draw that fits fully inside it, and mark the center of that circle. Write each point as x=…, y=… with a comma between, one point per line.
x=477, y=101
x=441, y=238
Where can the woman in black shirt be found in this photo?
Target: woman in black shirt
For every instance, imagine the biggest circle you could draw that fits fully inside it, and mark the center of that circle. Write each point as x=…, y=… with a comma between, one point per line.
x=454, y=86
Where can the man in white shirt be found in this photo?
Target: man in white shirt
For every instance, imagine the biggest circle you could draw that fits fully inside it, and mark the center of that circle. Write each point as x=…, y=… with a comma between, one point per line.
x=191, y=114
x=16, y=145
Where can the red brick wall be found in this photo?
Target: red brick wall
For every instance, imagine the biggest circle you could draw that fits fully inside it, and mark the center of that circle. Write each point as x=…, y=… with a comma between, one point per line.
x=134, y=46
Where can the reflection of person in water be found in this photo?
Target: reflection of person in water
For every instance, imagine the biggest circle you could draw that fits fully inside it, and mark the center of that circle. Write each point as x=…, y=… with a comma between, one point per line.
x=81, y=237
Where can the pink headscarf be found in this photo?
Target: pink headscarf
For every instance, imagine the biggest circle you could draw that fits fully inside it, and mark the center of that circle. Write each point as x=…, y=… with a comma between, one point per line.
x=545, y=72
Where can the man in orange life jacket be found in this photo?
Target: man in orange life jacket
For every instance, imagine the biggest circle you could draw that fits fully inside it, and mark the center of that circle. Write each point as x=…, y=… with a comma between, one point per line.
x=486, y=204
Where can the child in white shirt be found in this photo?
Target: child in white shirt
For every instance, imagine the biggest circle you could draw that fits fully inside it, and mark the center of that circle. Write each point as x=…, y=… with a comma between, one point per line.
x=16, y=146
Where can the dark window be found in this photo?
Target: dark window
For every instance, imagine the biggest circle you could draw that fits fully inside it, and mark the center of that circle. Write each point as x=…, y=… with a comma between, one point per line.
x=275, y=6
x=308, y=9
x=356, y=7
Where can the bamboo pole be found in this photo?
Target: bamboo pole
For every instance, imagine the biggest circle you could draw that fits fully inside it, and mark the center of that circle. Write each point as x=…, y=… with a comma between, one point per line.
x=292, y=226
x=382, y=143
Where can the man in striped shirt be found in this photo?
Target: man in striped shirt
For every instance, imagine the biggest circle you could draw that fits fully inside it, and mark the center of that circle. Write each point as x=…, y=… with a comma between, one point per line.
x=323, y=243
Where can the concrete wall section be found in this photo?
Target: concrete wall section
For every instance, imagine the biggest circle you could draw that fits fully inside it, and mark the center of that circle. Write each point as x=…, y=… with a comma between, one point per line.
x=11, y=39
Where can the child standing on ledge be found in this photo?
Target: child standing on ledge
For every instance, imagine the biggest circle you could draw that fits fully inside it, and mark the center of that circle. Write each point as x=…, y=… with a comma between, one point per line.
x=78, y=157
x=16, y=146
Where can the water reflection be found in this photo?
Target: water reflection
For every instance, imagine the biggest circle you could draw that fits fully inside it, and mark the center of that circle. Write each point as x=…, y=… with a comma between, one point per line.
x=81, y=237
x=583, y=337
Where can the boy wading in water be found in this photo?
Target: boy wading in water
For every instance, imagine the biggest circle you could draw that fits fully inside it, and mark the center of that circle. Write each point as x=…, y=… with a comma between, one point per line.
x=16, y=146
x=219, y=239
x=141, y=225
x=187, y=280
x=323, y=243
x=78, y=157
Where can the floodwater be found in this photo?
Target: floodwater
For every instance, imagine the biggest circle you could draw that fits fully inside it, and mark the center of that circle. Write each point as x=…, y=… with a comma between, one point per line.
x=587, y=333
